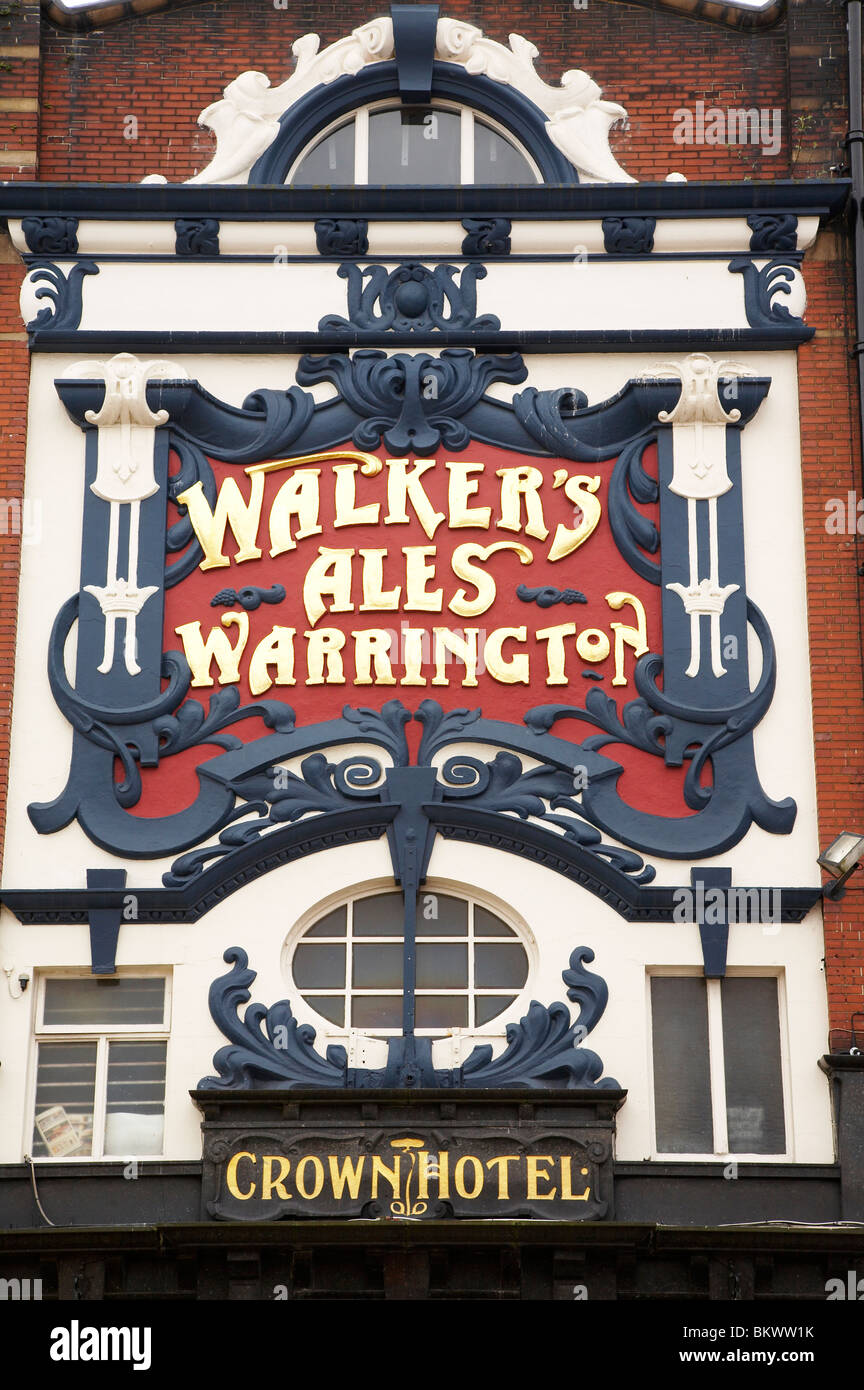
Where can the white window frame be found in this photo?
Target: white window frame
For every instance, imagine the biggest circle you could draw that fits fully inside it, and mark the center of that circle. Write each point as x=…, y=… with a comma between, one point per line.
x=360, y=117
x=103, y=1036
x=716, y=1062
x=475, y=898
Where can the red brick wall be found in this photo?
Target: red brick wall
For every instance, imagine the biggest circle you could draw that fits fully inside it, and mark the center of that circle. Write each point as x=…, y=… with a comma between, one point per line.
x=167, y=68
x=831, y=460
x=19, y=138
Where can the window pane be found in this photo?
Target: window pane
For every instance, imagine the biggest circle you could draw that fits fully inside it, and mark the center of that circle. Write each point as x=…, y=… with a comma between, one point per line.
x=414, y=145
x=376, y=1011
x=383, y=915
x=319, y=967
x=441, y=1011
x=65, y=1090
x=487, y=924
x=97, y=1002
x=442, y=966
x=136, y=1098
x=500, y=966
x=440, y=915
x=331, y=925
x=378, y=967
x=489, y=1006
x=331, y=161
x=682, y=1080
x=496, y=160
x=751, y=1048
x=329, y=1006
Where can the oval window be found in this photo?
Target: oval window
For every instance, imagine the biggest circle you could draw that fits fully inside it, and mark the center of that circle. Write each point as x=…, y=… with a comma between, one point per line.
x=348, y=966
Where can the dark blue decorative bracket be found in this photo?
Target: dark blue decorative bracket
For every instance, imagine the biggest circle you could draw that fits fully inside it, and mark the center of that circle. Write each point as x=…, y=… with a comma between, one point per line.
x=714, y=935
x=197, y=236
x=104, y=921
x=414, y=32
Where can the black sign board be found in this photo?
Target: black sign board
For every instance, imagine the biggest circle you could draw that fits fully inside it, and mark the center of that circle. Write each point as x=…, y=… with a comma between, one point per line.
x=408, y=1155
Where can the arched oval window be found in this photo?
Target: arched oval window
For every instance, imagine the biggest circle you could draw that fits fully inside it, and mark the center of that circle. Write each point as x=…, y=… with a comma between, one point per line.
x=348, y=965
x=423, y=145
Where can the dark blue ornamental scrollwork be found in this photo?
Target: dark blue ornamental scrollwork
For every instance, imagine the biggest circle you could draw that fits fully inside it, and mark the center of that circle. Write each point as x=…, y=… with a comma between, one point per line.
x=411, y=298
x=763, y=288
x=269, y=1050
x=700, y=717
x=63, y=291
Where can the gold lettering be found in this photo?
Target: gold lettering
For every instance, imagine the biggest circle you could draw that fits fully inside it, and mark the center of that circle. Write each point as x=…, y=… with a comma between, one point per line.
x=460, y=489
x=567, y=1192
x=375, y=597
x=323, y=647
x=417, y=572
x=510, y=672
x=347, y=512
x=200, y=654
x=268, y=1182
x=413, y=639
x=348, y=1175
x=403, y=482
x=555, y=655
x=373, y=645
x=592, y=644
x=459, y=1177
x=391, y=1175
x=443, y=1174
x=503, y=1173
x=329, y=574
x=579, y=491
x=276, y=649
x=635, y=637
x=299, y=497
x=444, y=641
x=231, y=510
x=536, y=1174
x=483, y=582
x=517, y=483
x=300, y=1176
x=231, y=1177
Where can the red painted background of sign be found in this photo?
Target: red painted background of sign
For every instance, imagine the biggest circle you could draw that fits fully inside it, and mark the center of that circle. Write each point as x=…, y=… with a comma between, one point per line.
x=595, y=569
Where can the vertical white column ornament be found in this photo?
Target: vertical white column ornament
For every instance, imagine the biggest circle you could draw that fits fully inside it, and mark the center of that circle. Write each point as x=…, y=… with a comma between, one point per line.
x=699, y=474
x=125, y=477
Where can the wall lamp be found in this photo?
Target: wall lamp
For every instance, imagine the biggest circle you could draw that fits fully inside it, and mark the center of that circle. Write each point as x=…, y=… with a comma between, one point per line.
x=840, y=860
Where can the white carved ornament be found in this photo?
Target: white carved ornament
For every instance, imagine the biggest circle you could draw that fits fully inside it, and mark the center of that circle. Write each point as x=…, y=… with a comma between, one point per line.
x=246, y=120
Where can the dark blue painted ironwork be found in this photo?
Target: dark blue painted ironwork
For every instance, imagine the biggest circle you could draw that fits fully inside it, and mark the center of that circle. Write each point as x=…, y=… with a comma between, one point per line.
x=342, y=236
x=629, y=235
x=543, y=1050
x=411, y=402
x=702, y=723
x=197, y=236
x=412, y=299
x=486, y=236
x=64, y=294
x=249, y=598
x=548, y=596
x=51, y=236
x=414, y=32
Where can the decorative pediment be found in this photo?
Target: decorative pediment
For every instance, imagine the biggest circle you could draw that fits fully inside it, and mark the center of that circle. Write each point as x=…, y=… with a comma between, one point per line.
x=252, y=113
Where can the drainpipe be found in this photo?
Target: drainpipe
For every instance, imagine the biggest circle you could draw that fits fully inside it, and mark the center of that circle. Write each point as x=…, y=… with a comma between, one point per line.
x=855, y=146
